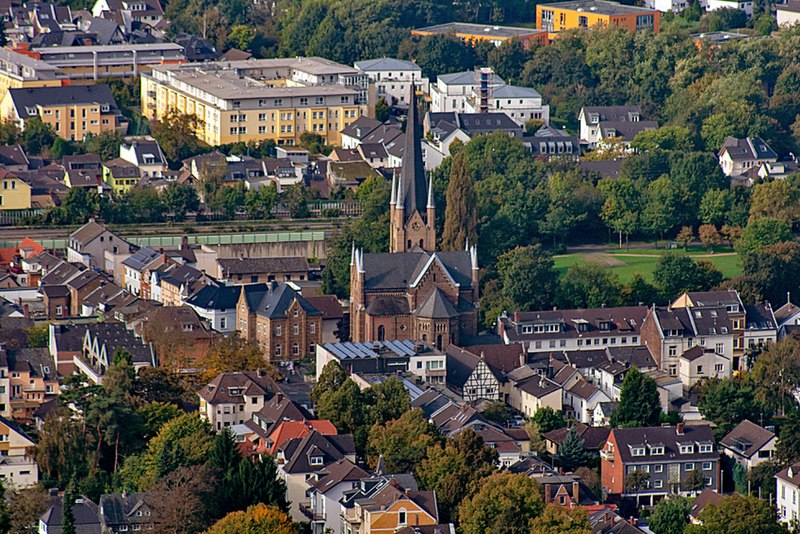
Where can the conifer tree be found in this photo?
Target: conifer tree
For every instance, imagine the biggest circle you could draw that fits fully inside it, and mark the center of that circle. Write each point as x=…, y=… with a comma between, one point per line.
x=461, y=215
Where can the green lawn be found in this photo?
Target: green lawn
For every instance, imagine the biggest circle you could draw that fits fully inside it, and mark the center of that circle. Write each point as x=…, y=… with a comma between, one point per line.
x=627, y=263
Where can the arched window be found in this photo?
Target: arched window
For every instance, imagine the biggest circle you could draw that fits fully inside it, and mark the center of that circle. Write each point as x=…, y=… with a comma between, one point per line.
x=409, y=245
x=421, y=241
x=401, y=516
x=439, y=341
x=381, y=333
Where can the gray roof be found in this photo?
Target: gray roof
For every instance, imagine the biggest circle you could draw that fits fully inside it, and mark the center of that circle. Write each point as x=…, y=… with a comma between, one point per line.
x=216, y=297
x=667, y=436
x=398, y=271
x=436, y=306
x=626, y=130
x=413, y=189
x=601, y=7
x=747, y=438
x=360, y=127
x=24, y=99
x=747, y=149
x=273, y=300
x=372, y=349
x=468, y=77
x=481, y=29
x=263, y=265
x=299, y=451
x=386, y=64
x=115, y=336
x=122, y=509
x=460, y=364
x=514, y=91
x=141, y=258
x=84, y=513
x=87, y=233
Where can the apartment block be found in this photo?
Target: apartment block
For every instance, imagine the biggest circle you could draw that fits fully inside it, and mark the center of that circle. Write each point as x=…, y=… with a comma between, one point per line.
x=259, y=100
x=584, y=14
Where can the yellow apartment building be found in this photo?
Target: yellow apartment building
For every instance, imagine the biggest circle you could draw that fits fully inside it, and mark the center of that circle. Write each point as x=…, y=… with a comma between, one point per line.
x=72, y=111
x=475, y=33
x=595, y=13
x=14, y=194
x=121, y=175
x=259, y=100
x=19, y=71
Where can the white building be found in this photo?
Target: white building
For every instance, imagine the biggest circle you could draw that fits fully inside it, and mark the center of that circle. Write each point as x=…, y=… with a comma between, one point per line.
x=600, y=123
x=676, y=6
x=741, y=5
x=216, y=303
x=146, y=154
x=749, y=444
x=392, y=78
x=17, y=469
x=522, y=104
x=788, y=500
x=233, y=398
x=324, y=509
x=451, y=91
x=385, y=357
x=583, y=398
x=700, y=363
x=788, y=13
x=738, y=156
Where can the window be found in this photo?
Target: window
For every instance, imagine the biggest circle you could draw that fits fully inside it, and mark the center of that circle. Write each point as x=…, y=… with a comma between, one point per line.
x=706, y=466
x=720, y=349
x=316, y=460
x=699, y=369
x=709, y=481
x=658, y=468
x=637, y=451
x=706, y=447
x=718, y=368
x=296, y=329
x=401, y=517
x=687, y=449
x=658, y=484
x=688, y=466
x=278, y=330
x=673, y=350
x=657, y=450
x=278, y=350
x=295, y=349
x=304, y=101
x=312, y=328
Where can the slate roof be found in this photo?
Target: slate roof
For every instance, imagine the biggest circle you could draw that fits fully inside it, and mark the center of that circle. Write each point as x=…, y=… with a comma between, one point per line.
x=233, y=266
x=36, y=361
x=538, y=386
x=360, y=127
x=747, y=438
x=121, y=509
x=115, y=336
x=342, y=470
x=274, y=300
x=514, y=91
x=388, y=306
x=386, y=64
x=252, y=383
x=790, y=474
x=13, y=155
x=60, y=274
x=412, y=189
x=328, y=305
x=749, y=148
x=84, y=513
x=299, y=451
x=87, y=233
x=785, y=312
x=626, y=130
x=460, y=365
x=63, y=95
x=593, y=437
x=606, y=169
x=216, y=297
x=669, y=438
x=625, y=320
x=706, y=497
x=436, y=306
x=398, y=271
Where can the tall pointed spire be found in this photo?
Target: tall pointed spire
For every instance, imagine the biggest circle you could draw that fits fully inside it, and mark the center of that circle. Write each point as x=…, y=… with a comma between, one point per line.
x=412, y=174
x=430, y=192
x=393, y=200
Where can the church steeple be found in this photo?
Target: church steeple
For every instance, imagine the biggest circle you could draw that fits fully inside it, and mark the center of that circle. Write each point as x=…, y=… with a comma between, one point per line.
x=412, y=212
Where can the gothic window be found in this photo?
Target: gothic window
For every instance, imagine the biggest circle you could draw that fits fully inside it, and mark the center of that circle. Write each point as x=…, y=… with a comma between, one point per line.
x=381, y=333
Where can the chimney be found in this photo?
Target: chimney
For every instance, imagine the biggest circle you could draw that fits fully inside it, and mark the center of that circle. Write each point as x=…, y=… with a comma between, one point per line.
x=26, y=310
x=546, y=493
x=516, y=317
x=576, y=492
x=679, y=429
x=184, y=243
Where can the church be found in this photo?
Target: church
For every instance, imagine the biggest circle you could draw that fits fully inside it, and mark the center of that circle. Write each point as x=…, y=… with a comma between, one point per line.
x=413, y=291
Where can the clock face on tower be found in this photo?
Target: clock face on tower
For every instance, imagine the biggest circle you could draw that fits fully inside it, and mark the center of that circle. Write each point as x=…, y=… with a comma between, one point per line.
x=415, y=226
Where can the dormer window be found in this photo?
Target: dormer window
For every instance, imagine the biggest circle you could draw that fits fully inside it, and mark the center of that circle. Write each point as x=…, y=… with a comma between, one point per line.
x=706, y=447
x=687, y=449
x=605, y=326
x=637, y=451
x=316, y=460
x=31, y=110
x=657, y=450
x=527, y=329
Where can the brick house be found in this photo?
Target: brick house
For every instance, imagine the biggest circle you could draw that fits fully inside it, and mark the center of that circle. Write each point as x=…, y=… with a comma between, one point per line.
x=670, y=455
x=280, y=320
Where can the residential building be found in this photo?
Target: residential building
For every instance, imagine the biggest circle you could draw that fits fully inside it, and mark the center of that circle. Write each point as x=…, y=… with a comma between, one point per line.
x=88, y=244
x=601, y=125
x=787, y=318
x=387, y=504
x=120, y=175
x=549, y=142
x=28, y=379
x=83, y=170
x=72, y=111
x=788, y=13
x=738, y=156
x=84, y=513
x=522, y=104
x=392, y=78
x=574, y=330
x=125, y=512
x=664, y=6
x=439, y=138
x=594, y=438
x=786, y=494
x=89, y=63
x=385, y=357
x=17, y=469
x=280, y=320
x=476, y=33
x=701, y=363
x=761, y=326
x=262, y=270
x=15, y=193
x=172, y=284
x=332, y=315
x=471, y=377
x=584, y=14
x=299, y=459
x=366, y=130
x=101, y=341
x=530, y=391
x=216, y=303
x=259, y=100
x=672, y=455
x=148, y=12
x=232, y=398
x=324, y=509
x=137, y=269
x=18, y=71
x=451, y=91
x=145, y=153
x=749, y=444
x=581, y=398
x=706, y=497
x=181, y=339
x=286, y=430
x=413, y=292
x=65, y=343
x=741, y=5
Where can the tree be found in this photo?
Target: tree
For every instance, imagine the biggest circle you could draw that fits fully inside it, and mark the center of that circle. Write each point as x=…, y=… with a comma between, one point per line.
x=738, y=513
x=451, y=469
x=639, y=403
x=5, y=516
x=668, y=137
x=403, y=442
x=671, y=515
x=154, y=415
x=105, y=144
x=438, y=54
x=548, y=419
x=175, y=134
x=636, y=481
x=391, y=400
x=572, y=452
x=260, y=202
x=760, y=233
x=25, y=506
x=676, y=273
x=295, y=198
x=621, y=207
x=775, y=270
x=508, y=60
x=157, y=384
x=233, y=354
x=314, y=143
x=37, y=136
x=709, y=236
x=257, y=518
x=685, y=237
x=67, y=514
x=589, y=285
x=659, y=210
x=505, y=502
x=557, y=519
x=241, y=36
x=591, y=479
x=180, y=199
x=528, y=277
x=348, y=408
x=38, y=336
x=461, y=212
x=639, y=292
x=382, y=110
x=61, y=452
x=329, y=380
x=180, y=500
x=694, y=481
x=714, y=206
x=777, y=375
x=788, y=448
x=727, y=403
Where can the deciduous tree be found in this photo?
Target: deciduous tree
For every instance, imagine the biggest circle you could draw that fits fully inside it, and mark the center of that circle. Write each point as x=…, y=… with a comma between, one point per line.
x=558, y=519
x=257, y=518
x=738, y=513
x=462, y=211
x=639, y=403
x=504, y=502
x=402, y=442
x=671, y=515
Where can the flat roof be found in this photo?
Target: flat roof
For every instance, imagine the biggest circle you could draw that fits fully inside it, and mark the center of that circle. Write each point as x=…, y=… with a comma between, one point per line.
x=311, y=65
x=57, y=50
x=598, y=6
x=480, y=29
x=24, y=60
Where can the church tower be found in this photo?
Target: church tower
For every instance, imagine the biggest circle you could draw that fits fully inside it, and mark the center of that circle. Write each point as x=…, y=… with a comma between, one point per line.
x=412, y=213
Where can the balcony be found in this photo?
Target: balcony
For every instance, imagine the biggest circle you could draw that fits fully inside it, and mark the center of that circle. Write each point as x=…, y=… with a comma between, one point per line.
x=607, y=455
x=313, y=516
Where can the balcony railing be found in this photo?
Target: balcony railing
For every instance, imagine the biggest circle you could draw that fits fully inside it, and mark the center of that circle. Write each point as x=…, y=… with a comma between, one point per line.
x=305, y=509
x=607, y=455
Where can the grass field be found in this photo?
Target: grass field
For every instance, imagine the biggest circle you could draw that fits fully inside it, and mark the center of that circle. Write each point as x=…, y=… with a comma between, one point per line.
x=627, y=263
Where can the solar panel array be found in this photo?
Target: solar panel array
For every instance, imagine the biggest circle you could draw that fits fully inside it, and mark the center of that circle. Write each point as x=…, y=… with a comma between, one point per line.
x=352, y=351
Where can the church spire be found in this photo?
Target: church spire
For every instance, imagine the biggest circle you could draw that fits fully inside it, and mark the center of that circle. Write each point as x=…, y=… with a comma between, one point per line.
x=412, y=174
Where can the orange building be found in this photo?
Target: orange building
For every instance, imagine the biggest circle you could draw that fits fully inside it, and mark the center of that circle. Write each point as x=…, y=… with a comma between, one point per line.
x=497, y=35
x=578, y=14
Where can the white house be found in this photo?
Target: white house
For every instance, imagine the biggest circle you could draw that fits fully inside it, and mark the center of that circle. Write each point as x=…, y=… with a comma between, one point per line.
x=451, y=91
x=600, y=123
x=788, y=14
x=522, y=104
x=145, y=153
x=436, y=146
x=749, y=444
x=676, y=6
x=216, y=303
x=392, y=78
x=583, y=397
x=324, y=508
x=738, y=156
x=741, y=5
x=787, y=317
x=787, y=498
x=699, y=363
x=135, y=268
